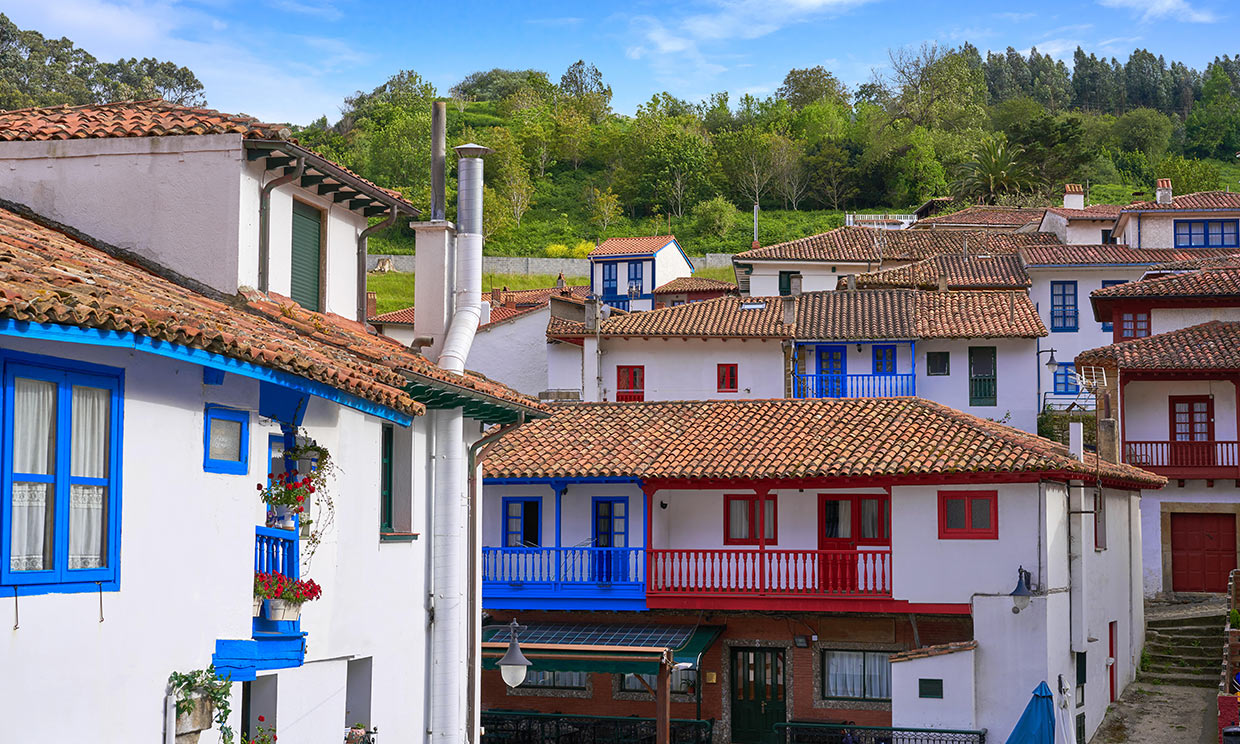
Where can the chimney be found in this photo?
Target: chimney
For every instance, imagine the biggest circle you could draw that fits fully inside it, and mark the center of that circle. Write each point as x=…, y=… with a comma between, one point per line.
x=468, y=277
x=942, y=282
x=1073, y=196
x=497, y=297
x=1162, y=191
x=434, y=279
x=559, y=281
x=790, y=309
x=794, y=285
x=484, y=313
x=1076, y=440
x=1108, y=440
x=439, y=142
x=852, y=282
x=593, y=312
x=372, y=305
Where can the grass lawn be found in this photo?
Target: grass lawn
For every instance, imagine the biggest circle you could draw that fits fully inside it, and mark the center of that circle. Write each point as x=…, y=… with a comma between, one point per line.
x=723, y=273
x=395, y=290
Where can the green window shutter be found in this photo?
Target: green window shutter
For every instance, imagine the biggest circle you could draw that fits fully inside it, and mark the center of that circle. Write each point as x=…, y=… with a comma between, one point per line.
x=307, y=237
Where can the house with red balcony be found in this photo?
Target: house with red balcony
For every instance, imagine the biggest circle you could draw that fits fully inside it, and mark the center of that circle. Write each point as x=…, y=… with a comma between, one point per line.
x=1171, y=382
x=832, y=561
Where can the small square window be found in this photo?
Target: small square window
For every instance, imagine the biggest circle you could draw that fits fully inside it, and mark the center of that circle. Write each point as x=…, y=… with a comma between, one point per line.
x=938, y=363
x=727, y=378
x=930, y=688
x=968, y=515
x=226, y=441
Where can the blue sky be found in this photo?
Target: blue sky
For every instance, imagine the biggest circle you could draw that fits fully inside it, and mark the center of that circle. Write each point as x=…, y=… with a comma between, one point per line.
x=295, y=60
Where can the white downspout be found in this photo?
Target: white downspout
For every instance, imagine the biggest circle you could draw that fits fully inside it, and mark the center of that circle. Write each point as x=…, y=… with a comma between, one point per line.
x=468, y=259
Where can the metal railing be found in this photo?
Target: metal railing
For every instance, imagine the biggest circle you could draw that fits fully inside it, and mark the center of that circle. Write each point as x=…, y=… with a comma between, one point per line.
x=853, y=218
x=853, y=386
x=780, y=573
x=1210, y=454
x=521, y=727
x=586, y=565
x=983, y=390
x=830, y=733
x=631, y=396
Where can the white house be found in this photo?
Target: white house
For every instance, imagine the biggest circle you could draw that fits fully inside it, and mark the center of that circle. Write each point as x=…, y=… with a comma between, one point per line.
x=834, y=553
x=1076, y=224
x=152, y=405
x=1171, y=381
x=624, y=272
x=984, y=217
x=1204, y=220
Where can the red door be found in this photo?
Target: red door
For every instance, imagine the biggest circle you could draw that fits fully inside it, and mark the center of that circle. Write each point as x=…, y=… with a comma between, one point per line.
x=854, y=535
x=1192, y=431
x=1203, y=551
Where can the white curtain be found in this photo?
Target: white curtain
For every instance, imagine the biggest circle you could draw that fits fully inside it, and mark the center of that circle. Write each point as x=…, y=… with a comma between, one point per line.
x=738, y=519
x=878, y=675
x=845, y=674
x=869, y=519
x=34, y=437
x=837, y=519
x=88, y=503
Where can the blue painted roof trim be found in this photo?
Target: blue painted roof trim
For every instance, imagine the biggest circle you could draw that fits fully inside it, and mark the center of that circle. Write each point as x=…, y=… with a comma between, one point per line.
x=1229, y=210
x=563, y=480
x=1092, y=265
x=627, y=256
x=126, y=340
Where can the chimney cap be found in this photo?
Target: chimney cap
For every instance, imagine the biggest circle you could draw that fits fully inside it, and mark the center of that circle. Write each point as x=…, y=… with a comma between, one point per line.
x=1163, y=183
x=1073, y=188
x=471, y=150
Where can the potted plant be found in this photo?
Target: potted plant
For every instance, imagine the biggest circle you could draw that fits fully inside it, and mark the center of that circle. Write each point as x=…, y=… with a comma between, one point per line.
x=357, y=734
x=201, y=698
x=284, y=596
x=286, y=495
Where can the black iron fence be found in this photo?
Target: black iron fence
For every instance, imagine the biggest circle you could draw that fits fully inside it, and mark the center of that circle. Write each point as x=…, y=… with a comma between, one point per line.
x=520, y=727
x=827, y=733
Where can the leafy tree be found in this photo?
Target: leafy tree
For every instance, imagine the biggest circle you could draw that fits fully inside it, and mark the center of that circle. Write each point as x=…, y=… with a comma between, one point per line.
x=745, y=161
x=996, y=168
x=150, y=78
x=1213, y=127
x=791, y=172
x=1188, y=176
x=1144, y=130
x=603, y=207
x=497, y=84
x=935, y=87
x=802, y=87
x=833, y=177
x=715, y=216
x=583, y=86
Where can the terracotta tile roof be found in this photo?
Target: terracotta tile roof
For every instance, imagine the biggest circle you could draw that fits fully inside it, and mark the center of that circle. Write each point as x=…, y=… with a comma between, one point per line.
x=539, y=297
x=639, y=246
x=782, y=439
x=686, y=284
x=859, y=314
x=1110, y=254
x=870, y=245
x=1000, y=271
x=1092, y=212
x=1010, y=217
x=1200, y=262
x=1200, y=200
x=1212, y=345
x=524, y=299
x=941, y=649
x=1205, y=283
x=47, y=276
x=404, y=316
x=153, y=118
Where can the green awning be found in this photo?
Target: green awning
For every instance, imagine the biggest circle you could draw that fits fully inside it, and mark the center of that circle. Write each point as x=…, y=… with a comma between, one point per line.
x=619, y=648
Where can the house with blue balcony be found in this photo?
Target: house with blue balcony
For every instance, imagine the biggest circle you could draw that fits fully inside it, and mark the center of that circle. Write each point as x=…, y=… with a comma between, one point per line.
x=149, y=396
x=624, y=272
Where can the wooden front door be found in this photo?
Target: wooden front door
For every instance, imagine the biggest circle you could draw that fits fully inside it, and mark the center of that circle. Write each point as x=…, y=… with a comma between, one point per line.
x=832, y=372
x=758, y=694
x=1192, y=430
x=611, y=530
x=1203, y=551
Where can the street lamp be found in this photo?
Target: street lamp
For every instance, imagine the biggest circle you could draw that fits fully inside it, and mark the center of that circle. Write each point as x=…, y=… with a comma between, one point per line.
x=514, y=665
x=1051, y=364
x=1021, y=594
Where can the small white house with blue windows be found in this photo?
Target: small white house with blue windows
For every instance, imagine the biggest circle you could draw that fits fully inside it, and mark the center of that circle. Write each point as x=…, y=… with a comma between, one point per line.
x=625, y=271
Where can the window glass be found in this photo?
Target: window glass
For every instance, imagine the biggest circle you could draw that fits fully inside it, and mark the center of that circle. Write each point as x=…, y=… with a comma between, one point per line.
x=980, y=513
x=556, y=680
x=955, y=514
x=34, y=454
x=1065, y=379
x=938, y=363
x=738, y=519
x=770, y=519
x=837, y=519
x=871, y=527
x=224, y=440
x=930, y=688
x=681, y=681
x=856, y=674
x=88, y=498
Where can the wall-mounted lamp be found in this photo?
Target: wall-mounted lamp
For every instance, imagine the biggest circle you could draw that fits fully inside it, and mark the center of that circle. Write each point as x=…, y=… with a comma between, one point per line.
x=1021, y=594
x=1051, y=364
x=514, y=665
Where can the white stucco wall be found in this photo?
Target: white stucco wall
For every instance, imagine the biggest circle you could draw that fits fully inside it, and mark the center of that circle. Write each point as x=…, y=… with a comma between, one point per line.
x=564, y=368
x=186, y=573
x=514, y=352
x=1152, y=230
x=1086, y=232
x=1154, y=582
x=403, y=334
x=1146, y=411
x=1016, y=379
x=816, y=276
x=1054, y=223
x=955, y=710
x=686, y=368
x=1164, y=319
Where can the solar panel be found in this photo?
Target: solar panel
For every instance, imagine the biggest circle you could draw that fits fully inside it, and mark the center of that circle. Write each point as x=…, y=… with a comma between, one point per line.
x=650, y=636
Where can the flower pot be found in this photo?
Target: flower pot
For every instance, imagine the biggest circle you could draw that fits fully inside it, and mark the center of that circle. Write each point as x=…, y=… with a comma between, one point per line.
x=282, y=517
x=283, y=610
x=258, y=606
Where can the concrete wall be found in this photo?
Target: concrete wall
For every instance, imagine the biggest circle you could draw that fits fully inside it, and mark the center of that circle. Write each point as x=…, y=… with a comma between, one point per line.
x=1016, y=379
x=1087, y=232
x=955, y=710
x=540, y=265
x=186, y=573
x=1164, y=319
x=816, y=276
x=514, y=352
x=564, y=368
x=686, y=369
x=1157, y=506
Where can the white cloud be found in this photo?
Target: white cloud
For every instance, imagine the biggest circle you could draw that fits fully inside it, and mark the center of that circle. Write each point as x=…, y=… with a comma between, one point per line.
x=1175, y=10
x=554, y=22
x=325, y=9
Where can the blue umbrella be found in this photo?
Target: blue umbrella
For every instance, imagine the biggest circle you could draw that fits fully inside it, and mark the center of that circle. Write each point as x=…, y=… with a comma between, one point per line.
x=1037, y=723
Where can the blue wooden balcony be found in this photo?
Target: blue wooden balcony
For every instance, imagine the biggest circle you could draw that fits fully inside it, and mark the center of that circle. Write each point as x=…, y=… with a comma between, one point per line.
x=584, y=578
x=272, y=644
x=853, y=386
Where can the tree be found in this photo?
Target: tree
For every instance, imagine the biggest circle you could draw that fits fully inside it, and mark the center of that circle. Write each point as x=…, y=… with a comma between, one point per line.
x=745, y=160
x=1188, y=176
x=1143, y=130
x=833, y=176
x=936, y=88
x=497, y=84
x=151, y=78
x=1213, y=127
x=995, y=169
x=810, y=85
x=572, y=132
x=603, y=207
x=510, y=174
x=715, y=216
x=791, y=174
x=583, y=86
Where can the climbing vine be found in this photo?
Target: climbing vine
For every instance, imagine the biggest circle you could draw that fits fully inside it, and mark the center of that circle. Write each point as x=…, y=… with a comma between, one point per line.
x=205, y=683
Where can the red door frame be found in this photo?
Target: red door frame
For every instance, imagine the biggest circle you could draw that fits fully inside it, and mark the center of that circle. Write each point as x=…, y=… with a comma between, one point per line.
x=1191, y=451
x=1113, y=631
x=630, y=382
x=1189, y=400
x=854, y=538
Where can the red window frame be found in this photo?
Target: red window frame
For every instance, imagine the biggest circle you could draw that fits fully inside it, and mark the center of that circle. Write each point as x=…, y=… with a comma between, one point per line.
x=752, y=498
x=969, y=533
x=630, y=382
x=1132, y=324
x=1190, y=401
x=727, y=379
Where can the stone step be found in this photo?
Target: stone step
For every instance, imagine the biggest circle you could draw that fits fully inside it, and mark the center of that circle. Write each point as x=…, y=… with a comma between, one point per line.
x=1179, y=622
x=1210, y=637
x=1203, y=666
x=1160, y=651
x=1181, y=678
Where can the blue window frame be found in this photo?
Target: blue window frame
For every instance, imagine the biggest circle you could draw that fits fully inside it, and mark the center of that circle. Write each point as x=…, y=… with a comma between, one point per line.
x=1063, y=306
x=60, y=502
x=1106, y=324
x=522, y=526
x=635, y=275
x=609, y=279
x=1065, y=379
x=226, y=440
x=1207, y=233
x=884, y=360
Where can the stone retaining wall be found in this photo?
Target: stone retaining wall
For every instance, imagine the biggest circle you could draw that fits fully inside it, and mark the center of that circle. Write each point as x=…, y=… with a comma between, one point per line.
x=539, y=265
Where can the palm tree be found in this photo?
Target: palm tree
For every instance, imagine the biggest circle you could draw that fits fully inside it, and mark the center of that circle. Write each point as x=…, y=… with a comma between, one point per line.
x=995, y=169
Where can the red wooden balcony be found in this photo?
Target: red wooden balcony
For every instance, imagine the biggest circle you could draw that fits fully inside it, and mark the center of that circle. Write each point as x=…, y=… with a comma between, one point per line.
x=1185, y=459
x=630, y=396
x=758, y=575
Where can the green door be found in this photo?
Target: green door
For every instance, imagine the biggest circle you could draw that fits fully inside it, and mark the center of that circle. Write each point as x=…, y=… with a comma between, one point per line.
x=758, y=694
x=307, y=239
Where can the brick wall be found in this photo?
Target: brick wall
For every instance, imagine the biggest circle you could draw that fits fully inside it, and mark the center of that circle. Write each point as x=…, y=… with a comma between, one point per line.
x=803, y=675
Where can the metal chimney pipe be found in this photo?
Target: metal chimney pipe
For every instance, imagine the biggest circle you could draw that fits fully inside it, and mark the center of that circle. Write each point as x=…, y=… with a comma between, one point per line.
x=439, y=119
x=468, y=311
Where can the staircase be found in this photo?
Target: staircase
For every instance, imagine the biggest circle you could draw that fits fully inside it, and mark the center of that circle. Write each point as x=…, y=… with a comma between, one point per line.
x=1184, y=651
